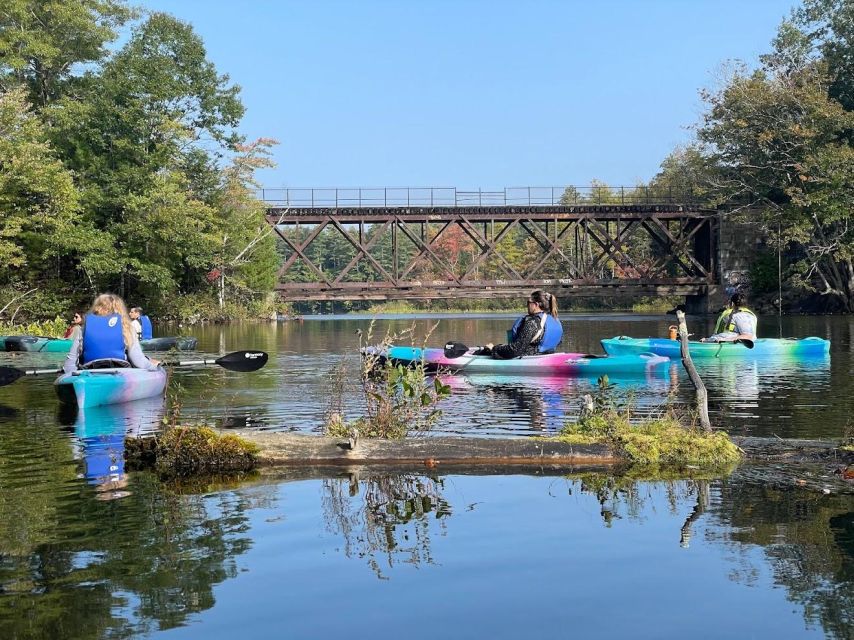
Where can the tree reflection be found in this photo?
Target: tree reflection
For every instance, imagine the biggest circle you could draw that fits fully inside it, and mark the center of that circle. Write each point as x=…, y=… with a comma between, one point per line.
x=808, y=539
x=123, y=568
x=384, y=519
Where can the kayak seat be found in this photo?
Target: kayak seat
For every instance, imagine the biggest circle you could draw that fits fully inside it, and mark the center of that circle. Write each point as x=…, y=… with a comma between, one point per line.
x=106, y=363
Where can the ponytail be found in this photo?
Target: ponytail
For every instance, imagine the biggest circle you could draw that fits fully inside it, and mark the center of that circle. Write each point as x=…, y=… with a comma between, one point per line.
x=547, y=302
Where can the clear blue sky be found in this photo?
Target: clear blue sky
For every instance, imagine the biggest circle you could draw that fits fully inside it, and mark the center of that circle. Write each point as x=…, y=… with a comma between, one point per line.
x=473, y=93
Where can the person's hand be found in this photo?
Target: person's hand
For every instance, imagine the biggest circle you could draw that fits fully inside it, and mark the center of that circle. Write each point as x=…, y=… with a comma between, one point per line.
x=153, y=361
x=489, y=345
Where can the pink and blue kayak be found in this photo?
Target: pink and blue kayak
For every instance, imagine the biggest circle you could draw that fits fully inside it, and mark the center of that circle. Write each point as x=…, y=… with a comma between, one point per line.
x=97, y=387
x=552, y=364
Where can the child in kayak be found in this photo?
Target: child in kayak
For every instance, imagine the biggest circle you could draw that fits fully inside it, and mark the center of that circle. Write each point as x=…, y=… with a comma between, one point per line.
x=73, y=329
x=107, y=335
x=735, y=322
x=537, y=332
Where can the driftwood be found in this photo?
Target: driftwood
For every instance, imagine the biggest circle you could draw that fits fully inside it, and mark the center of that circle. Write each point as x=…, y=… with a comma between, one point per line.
x=815, y=465
x=696, y=380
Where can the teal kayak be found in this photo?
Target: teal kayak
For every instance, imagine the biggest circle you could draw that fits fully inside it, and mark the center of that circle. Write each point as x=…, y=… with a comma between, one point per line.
x=98, y=387
x=795, y=347
x=552, y=364
x=59, y=345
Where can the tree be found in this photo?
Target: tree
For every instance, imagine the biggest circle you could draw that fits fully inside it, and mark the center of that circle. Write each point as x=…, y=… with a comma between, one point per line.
x=38, y=200
x=826, y=28
x=247, y=247
x=778, y=140
x=42, y=41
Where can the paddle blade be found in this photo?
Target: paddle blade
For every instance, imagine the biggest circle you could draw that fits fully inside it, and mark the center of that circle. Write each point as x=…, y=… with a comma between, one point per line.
x=243, y=361
x=455, y=350
x=8, y=375
x=747, y=342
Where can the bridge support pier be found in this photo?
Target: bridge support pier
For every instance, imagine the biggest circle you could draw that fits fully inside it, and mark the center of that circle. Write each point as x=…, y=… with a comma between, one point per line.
x=704, y=303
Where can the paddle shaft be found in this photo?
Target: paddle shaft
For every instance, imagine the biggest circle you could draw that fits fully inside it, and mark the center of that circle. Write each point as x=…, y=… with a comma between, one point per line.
x=243, y=361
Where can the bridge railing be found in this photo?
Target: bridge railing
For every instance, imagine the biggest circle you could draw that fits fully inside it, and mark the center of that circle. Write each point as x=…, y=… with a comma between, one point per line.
x=386, y=197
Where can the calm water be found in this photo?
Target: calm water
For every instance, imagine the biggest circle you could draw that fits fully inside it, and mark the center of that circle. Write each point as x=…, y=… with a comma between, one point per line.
x=87, y=551
x=789, y=398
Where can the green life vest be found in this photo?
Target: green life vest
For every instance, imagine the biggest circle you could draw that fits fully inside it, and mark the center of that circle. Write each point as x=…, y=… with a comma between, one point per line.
x=725, y=321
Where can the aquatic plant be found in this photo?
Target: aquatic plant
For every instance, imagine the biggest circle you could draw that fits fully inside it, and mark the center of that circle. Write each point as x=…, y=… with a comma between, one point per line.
x=667, y=439
x=399, y=400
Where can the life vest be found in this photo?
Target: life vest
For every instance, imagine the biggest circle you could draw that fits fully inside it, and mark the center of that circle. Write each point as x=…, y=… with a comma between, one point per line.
x=103, y=338
x=145, y=323
x=725, y=321
x=549, y=335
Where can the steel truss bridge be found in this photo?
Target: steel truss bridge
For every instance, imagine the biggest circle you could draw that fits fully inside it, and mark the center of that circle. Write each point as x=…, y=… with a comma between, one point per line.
x=431, y=243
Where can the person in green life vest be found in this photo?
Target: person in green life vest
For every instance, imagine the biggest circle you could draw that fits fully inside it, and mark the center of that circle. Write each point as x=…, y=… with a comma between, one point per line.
x=735, y=322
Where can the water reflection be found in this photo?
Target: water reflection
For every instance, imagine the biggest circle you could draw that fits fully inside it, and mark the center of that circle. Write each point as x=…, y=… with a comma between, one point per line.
x=548, y=401
x=122, y=568
x=493, y=547
x=99, y=442
x=384, y=519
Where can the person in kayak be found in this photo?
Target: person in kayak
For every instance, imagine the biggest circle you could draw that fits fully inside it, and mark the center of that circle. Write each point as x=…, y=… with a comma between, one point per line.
x=735, y=322
x=141, y=324
x=107, y=335
x=73, y=329
x=537, y=332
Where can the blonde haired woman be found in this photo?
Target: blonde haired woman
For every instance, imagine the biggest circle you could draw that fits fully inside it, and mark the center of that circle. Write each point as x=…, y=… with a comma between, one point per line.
x=107, y=336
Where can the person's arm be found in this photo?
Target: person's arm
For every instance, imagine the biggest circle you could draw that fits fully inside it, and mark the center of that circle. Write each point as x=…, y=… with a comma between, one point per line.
x=524, y=336
x=73, y=356
x=137, y=358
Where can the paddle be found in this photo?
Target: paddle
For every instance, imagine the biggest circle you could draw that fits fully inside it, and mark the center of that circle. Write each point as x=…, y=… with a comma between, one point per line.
x=455, y=350
x=747, y=342
x=243, y=361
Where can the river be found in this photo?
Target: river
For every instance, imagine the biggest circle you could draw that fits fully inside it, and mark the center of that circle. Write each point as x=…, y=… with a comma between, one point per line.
x=87, y=551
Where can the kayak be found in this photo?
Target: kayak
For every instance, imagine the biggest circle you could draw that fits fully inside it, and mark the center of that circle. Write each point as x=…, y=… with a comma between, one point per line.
x=552, y=364
x=62, y=345
x=97, y=387
x=798, y=347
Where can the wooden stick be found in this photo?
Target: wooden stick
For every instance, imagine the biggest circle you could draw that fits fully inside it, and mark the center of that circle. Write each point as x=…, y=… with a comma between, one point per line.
x=702, y=397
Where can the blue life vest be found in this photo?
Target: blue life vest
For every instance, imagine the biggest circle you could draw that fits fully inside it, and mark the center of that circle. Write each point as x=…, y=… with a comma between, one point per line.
x=145, y=323
x=549, y=338
x=103, y=338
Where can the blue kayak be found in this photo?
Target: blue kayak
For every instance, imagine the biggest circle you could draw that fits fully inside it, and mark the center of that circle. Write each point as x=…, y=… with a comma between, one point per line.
x=98, y=387
x=793, y=347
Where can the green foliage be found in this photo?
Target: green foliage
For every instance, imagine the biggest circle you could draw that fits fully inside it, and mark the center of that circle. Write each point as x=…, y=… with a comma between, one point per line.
x=117, y=182
x=204, y=307
x=191, y=451
x=659, y=441
x=398, y=400
x=48, y=328
x=42, y=42
x=38, y=200
x=764, y=272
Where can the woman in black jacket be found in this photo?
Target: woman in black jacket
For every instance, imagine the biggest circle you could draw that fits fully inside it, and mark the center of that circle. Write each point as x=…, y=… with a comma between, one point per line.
x=539, y=331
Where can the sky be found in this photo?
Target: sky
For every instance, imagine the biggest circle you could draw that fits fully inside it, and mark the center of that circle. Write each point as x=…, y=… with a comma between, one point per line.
x=474, y=93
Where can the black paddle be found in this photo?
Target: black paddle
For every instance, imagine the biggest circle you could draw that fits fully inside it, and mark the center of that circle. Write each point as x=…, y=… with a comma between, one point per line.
x=455, y=350
x=243, y=361
x=747, y=342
